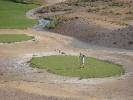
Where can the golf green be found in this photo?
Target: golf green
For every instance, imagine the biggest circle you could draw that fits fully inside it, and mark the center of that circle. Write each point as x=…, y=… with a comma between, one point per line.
x=70, y=66
x=9, y=38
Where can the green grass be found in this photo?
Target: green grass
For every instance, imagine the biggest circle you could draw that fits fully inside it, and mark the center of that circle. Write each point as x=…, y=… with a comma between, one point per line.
x=13, y=15
x=69, y=66
x=9, y=38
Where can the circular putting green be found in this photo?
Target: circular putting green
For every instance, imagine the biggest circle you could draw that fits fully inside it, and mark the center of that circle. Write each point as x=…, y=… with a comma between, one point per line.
x=10, y=38
x=69, y=66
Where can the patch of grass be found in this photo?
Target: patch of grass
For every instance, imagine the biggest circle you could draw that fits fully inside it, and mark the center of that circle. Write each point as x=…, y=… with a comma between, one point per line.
x=13, y=15
x=69, y=66
x=9, y=38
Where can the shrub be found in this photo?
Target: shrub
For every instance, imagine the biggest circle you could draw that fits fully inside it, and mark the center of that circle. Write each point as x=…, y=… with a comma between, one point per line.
x=54, y=22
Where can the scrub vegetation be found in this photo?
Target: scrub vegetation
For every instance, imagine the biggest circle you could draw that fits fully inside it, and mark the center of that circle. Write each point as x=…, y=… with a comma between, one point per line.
x=54, y=22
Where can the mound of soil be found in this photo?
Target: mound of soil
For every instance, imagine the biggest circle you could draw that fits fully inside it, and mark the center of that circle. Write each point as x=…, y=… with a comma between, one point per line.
x=122, y=38
x=96, y=34
x=80, y=29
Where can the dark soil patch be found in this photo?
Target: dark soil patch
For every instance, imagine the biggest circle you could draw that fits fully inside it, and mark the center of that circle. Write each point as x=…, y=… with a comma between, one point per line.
x=96, y=34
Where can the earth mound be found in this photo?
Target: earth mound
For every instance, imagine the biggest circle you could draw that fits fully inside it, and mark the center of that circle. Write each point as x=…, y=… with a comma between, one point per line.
x=97, y=35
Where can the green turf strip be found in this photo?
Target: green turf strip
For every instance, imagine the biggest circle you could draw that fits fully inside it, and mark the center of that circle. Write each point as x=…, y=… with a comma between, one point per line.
x=9, y=38
x=13, y=15
x=69, y=66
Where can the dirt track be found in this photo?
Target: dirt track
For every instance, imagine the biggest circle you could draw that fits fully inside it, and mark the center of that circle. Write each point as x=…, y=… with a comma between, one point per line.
x=21, y=82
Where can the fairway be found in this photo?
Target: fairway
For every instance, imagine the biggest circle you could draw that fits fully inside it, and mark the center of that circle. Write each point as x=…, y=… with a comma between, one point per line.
x=9, y=38
x=69, y=66
x=13, y=15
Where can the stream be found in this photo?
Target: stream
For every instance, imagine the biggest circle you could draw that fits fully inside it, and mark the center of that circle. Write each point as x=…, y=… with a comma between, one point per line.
x=41, y=24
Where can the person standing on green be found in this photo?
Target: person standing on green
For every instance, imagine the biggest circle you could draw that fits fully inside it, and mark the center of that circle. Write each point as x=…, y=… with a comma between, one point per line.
x=82, y=60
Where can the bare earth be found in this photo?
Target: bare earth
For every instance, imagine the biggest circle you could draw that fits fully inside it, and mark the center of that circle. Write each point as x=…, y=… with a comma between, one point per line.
x=18, y=81
x=98, y=23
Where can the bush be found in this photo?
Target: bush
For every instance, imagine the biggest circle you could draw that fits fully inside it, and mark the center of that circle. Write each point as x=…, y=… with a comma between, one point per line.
x=54, y=22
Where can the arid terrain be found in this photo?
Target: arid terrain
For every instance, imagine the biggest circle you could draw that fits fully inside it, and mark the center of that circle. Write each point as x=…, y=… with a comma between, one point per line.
x=94, y=37
x=104, y=23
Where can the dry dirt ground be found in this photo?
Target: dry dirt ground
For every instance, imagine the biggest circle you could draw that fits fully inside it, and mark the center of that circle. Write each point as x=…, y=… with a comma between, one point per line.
x=95, y=22
x=18, y=81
